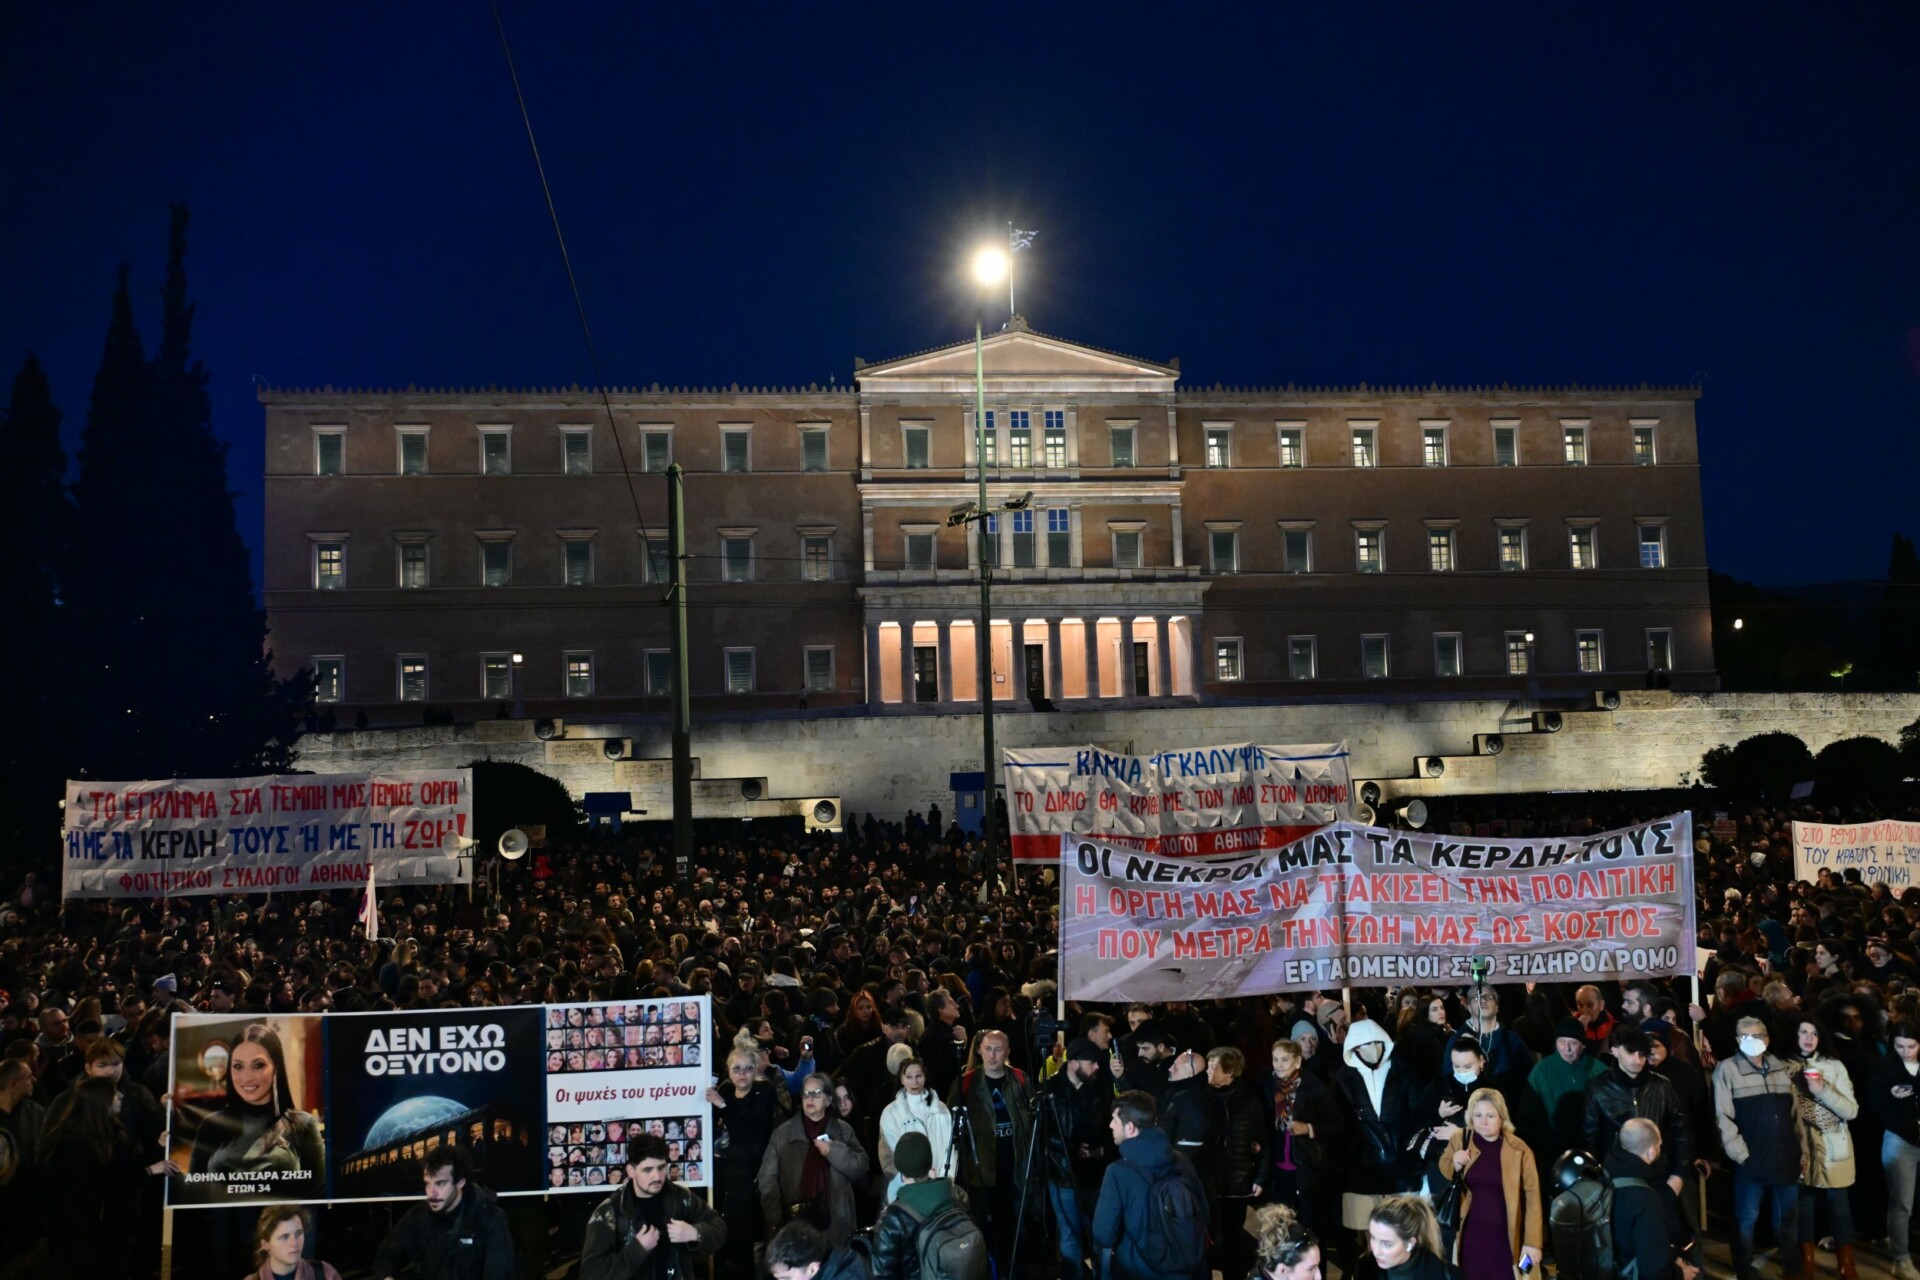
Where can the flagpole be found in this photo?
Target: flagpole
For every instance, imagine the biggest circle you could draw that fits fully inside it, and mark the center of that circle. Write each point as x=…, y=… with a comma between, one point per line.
x=1011, y=309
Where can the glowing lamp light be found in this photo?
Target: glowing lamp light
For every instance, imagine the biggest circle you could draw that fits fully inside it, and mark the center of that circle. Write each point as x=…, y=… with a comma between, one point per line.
x=990, y=266
x=1739, y=624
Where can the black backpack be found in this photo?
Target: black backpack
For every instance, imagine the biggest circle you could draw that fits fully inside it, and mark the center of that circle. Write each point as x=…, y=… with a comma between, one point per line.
x=1176, y=1234
x=1581, y=1220
x=950, y=1245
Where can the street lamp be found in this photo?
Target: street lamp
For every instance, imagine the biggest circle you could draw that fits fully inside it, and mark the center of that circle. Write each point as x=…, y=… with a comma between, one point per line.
x=989, y=269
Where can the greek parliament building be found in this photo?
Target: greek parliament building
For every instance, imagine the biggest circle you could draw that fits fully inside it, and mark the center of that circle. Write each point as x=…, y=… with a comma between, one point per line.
x=480, y=553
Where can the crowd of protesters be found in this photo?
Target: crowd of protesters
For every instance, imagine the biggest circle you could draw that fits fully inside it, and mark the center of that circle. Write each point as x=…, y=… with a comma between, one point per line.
x=895, y=1083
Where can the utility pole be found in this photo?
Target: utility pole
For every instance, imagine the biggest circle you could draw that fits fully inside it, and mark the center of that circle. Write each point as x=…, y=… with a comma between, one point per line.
x=984, y=636
x=682, y=704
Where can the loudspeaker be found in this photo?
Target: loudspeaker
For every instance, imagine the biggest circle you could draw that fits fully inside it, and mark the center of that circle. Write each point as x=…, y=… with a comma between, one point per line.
x=1363, y=814
x=1607, y=700
x=1488, y=744
x=617, y=748
x=1548, y=722
x=752, y=788
x=1429, y=766
x=1370, y=793
x=548, y=730
x=514, y=844
x=822, y=814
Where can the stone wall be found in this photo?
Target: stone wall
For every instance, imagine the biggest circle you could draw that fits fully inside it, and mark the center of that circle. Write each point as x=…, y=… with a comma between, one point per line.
x=889, y=764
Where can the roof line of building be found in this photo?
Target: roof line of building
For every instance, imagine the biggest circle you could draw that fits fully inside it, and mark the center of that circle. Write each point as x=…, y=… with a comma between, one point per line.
x=1016, y=324
x=266, y=393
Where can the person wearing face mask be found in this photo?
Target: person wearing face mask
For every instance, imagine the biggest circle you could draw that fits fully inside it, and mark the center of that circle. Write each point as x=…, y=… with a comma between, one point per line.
x=1377, y=1091
x=1443, y=1108
x=1753, y=1100
x=1893, y=1096
x=1305, y=1137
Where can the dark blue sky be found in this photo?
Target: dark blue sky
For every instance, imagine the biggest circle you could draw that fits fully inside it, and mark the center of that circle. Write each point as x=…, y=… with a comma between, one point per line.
x=1413, y=194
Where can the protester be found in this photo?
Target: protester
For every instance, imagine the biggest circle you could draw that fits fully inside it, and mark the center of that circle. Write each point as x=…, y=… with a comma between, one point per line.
x=646, y=1229
x=1651, y=1238
x=812, y=1163
x=1076, y=1107
x=744, y=1116
x=915, y=1109
x=1891, y=1094
x=1151, y=1217
x=457, y=1233
x=1378, y=1093
x=1824, y=1103
x=91, y=1172
x=1304, y=1142
x=279, y=1243
x=1628, y=1089
x=1244, y=1128
x=1753, y=1103
x=1403, y=1243
x=799, y=1251
x=1284, y=1249
x=1502, y=1214
x=996, y=1099
x=924, y=1219
x=1555, y=1108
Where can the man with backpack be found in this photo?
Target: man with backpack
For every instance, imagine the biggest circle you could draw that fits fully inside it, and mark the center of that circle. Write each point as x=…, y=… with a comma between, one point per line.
x=925, y=1234
x=652, y=1228
x=1151, y=1219
x=1651, y=1238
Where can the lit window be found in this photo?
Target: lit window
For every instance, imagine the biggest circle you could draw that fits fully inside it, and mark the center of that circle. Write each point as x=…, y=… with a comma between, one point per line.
x=1590, y=650
x=1433, y=446
x=413, y=678
x=813, y=449
x=1440, y=550
x=1363, y=452
x=1059, y=537
x=659, y=565
x=1659, y=649
x=659, y=673
x=1580, y=546
x=1126, y=550
x=1506, y=446
x=579, y=561
x=1446, y=653
x=1224, y=547
x=1019, y=439
x=920, y=552
x=1023, y=540
x=413, y=564
x=496, y=676
x=1226, y=659
x=1643, y=450
x=496, y=564
x=1056, y=437
x=1296, y=550
x=496, y=452
x=1575, y=443
x=739, y=670
x=1653, y=546
x=819, y=664
x=734, y=450
x=1519, y=653
x=329, y=453
x=329, y=679
x=1219, y=446
x=1367, y=547
x=413, y=453
x=579, y=673
x=656, y=450
x=1303, y=658
x=576, y=452
x=1122, y=440
x=329, y=565
x=917, y=446
x=1513, y=548
x=736, y=559
x=1373, y=657
x=816, y=558
x=1293, y=449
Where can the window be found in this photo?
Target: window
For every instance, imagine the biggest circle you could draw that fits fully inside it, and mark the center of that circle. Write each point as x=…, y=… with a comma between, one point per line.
x=1219, y=446
x=1367, y=548
x=739, y=670
x=1373, y=657
x=1223, y=549
x=329, y=679
x=818, y=660
x=1506, y=445
x=1303, y=657
x=1590, y=652
x=1580, y=546
x=816, y=558
x=1296, y=550
x=813, y=449
x=1653, y=546
x=735, y=449
x=1122, y=441
x=1659, y=649
x=926, y=673
x=1020, y=439
x=1519, y=653
x=1575, y=445
x=576, y=451
x=413, y=564
x=736, y=558
x=1513, y=548
x=496, y=451
x=920, y=552
x=1059, y=537
x=659, y=565
x=991, y=441
x=1023, y=540
x=1126, y=549
x=496, y=676
x=329, y=565
x=656, y=450
x=496, y=563
x=413, y=452
x=413, y=677
x=917, y=447
x=1293, y=447
x=659, y=672
x=1433, y=446
x=1440, y=550
x=578, y=561
x=579, y=675
x=1363, y=452
x=329, y=451
x=1446, y=653
x=1643, y=450
x=1226, y=659
x=1056, y=437
x=992, y=526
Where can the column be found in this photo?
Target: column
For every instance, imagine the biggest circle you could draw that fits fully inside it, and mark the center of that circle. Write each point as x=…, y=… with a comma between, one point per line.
x=1179, y=536
x=946, y=659
x=1006, y=541
x=1073, y=435
x=1056, y=681
x=906, y=663
x=1040, y=537
x=1091, y=629
x=1019, y=675
x=1126, y=658
x=1173, y=440
x=1200, y=658
x=866, y=438
x=1076, y=549
x=866, y=535
x=971, y=446
x=1163, y=656
x=873, y=664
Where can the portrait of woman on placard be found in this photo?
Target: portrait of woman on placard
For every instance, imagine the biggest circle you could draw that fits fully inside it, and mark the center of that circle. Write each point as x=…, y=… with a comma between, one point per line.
x=258, y=1138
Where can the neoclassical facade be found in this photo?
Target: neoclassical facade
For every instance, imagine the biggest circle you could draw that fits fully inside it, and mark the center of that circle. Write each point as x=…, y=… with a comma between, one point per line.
x=482, y=553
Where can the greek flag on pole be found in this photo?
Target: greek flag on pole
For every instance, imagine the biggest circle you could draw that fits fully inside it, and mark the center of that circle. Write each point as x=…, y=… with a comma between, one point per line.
x=1018, y=239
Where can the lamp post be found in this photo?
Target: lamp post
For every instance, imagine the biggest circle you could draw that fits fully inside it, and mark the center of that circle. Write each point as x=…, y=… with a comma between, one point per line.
x=989, y=269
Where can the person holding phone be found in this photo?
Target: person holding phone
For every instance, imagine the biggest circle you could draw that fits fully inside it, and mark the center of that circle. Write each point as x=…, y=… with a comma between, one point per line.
x=1893, y=1095
x=812, y=1163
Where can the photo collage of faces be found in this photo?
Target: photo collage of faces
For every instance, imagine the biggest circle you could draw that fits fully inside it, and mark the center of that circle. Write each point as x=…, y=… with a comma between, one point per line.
x=594, y=1153
x=616, y=1037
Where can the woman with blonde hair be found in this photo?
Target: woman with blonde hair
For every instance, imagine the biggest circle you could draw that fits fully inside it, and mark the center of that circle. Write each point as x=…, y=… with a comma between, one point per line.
x=279, y=1238
x=1502, y=1214
x=1403, y=1243
x=1283, y=1249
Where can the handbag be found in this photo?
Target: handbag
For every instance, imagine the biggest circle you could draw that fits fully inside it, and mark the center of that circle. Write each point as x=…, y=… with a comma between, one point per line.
x=1447, y=1210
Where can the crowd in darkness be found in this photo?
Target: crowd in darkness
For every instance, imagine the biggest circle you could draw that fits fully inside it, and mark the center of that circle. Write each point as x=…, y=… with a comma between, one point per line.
x=886, y=1032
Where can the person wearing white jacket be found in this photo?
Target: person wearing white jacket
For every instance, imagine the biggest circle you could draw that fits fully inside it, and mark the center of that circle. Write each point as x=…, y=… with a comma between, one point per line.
x=915, y=1110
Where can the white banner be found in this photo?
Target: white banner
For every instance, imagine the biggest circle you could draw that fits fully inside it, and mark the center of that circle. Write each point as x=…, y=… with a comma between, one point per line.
x=1882, y=852
x=1181, y=802
x=621, y=1068
x=284, y=832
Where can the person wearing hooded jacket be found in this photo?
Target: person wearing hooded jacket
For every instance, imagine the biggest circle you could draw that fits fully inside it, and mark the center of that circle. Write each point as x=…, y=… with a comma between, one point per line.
x=1378, y=1093
x=1121, y=1215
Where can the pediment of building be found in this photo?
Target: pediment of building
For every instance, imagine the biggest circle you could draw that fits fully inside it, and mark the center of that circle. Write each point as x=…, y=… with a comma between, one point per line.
x=1018, y=359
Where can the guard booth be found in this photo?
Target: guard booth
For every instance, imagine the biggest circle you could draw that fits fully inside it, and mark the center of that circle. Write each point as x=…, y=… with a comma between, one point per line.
x=604, y=809
x=967, y=789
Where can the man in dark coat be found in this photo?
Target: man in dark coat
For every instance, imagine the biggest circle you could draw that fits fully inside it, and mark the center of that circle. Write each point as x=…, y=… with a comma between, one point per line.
x=1121, y=1218
x=459, y=1233
x=1630, y=1090
x=1075, y=1109
x=1651, y=1238
x=648, y=1228
x=1187, y=1113
x=995, y=1098
x=1244, y=1130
